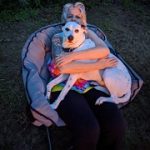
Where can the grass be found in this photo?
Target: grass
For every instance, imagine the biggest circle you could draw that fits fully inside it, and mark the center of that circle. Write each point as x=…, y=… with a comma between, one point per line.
x=18, y=15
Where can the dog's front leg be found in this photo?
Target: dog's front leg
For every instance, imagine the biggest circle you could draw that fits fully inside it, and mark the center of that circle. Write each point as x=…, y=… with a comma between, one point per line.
x=70, y=82
x=54, y=82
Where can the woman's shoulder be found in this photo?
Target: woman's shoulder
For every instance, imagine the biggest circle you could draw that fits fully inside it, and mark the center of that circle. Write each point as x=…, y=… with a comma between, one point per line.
x=90, y=33
x=94, y=37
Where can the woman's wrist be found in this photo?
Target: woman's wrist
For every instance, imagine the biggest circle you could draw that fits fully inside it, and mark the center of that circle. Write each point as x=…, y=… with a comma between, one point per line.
x=72, y=56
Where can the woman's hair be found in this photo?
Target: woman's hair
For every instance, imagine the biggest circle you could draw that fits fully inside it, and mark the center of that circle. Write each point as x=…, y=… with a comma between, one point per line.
x=78, y=5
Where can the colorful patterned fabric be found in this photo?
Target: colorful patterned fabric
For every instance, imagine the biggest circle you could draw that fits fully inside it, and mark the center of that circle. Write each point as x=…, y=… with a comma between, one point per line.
x=80, y=85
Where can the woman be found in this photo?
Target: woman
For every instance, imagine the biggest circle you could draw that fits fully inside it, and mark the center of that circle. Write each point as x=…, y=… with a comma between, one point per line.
x=94, y=127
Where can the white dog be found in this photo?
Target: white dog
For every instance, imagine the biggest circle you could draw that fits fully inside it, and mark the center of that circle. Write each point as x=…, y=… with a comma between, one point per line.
x=116, y=79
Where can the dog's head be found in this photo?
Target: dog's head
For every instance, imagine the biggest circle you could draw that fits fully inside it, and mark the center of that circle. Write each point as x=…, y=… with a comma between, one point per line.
x=74, y=34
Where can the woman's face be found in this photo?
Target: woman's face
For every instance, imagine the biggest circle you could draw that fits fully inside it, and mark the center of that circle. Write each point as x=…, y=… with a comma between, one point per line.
x=74, y=14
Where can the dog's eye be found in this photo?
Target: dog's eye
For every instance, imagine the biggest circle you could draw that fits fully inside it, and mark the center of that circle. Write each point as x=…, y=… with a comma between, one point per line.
x=67, y=29
x=76, y=31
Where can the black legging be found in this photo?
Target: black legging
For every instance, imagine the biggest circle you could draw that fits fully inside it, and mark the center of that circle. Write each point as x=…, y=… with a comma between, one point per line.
x=94, y=127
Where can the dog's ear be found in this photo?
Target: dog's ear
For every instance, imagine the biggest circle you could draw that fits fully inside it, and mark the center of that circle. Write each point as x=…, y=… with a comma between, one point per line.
x=84, y=28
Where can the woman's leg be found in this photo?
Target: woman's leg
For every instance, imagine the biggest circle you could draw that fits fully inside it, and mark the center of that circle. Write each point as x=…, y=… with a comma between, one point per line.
x=79, y=117
x=111, y=122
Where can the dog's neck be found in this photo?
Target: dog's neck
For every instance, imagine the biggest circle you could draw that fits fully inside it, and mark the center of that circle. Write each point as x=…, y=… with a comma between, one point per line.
x=72, y=46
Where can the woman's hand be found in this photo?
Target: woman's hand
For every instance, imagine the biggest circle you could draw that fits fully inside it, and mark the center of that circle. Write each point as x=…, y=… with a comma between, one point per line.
x=63, y=59
x=107, y=62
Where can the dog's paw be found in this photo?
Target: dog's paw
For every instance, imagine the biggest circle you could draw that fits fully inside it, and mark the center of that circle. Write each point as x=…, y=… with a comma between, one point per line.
x=101, y=100
x=98, y=101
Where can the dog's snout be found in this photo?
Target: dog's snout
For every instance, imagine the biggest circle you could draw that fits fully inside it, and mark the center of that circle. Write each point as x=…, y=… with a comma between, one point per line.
x=70, y=37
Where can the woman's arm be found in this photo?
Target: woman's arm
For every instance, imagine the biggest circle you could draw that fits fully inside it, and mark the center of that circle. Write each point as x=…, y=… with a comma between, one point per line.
x=79, y=67
x=56, y=45
x=98, y=41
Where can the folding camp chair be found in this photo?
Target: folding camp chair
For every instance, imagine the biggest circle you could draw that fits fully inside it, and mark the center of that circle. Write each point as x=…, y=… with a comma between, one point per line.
x=35, y=53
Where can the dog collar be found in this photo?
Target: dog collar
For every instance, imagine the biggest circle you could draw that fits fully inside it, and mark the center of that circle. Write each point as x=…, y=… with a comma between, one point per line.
x=71, y=49
x=68, y=49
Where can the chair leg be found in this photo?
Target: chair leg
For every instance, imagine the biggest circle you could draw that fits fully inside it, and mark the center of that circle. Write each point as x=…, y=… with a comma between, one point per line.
x=49, y=138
